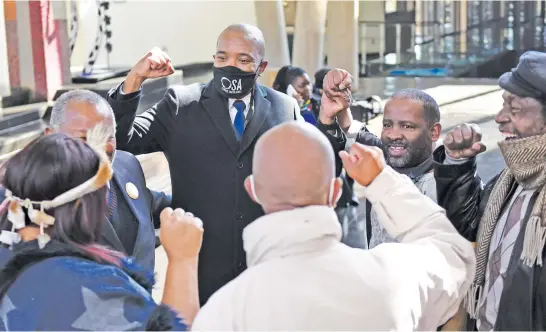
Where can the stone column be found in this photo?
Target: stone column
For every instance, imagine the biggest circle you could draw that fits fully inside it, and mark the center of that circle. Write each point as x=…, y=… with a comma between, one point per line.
x=308, y=51
x=270, y=19
x=463, y=24
x=37, y=40
x=342, y=36
x=4, y=73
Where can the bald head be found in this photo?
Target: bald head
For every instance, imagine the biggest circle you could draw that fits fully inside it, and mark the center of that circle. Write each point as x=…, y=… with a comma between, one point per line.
x=244, y=34
x=293, y=167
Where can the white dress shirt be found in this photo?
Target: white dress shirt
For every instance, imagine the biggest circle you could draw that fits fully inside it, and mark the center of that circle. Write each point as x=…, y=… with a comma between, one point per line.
x=233, y=110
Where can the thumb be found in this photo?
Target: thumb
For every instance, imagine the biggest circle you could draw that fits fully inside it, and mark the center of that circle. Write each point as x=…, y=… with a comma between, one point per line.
x=360, y=150
x=479, y=147
x=347, y=160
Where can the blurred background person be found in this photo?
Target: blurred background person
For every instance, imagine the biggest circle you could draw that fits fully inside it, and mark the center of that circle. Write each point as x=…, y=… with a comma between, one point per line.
x=57, y=276
x=295, y=82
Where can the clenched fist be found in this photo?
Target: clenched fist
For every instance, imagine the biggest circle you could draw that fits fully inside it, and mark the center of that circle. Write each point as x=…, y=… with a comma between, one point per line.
x=181, y=234
x=363, y=163
x=337, y=94
x=464, y=141
x=154, y=64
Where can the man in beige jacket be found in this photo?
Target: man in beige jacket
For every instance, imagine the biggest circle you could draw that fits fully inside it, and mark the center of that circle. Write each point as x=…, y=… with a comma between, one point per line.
x=300, y=277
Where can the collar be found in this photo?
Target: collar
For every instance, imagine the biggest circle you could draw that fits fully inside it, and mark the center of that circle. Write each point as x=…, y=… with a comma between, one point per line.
x=416, y=172
x=245, y=99
x=291, y=232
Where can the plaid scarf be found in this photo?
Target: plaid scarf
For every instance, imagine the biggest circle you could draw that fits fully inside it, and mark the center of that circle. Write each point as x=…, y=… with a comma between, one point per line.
x=526, y=165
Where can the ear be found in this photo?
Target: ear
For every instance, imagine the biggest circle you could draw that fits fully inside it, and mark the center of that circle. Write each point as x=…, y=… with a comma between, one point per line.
x=263, y=65
x=248, y=189
x=338, y=190
x=48, y=131
x=435, y=132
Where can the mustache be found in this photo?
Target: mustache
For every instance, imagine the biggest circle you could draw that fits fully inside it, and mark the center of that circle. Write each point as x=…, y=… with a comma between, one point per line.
x=395, y=143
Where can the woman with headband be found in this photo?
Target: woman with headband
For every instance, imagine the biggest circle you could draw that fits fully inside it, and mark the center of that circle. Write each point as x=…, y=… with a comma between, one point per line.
x=56, y=277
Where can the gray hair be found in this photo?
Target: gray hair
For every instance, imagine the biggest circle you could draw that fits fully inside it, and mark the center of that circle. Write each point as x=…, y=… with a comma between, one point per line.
x=59, y=108
x=431, y=110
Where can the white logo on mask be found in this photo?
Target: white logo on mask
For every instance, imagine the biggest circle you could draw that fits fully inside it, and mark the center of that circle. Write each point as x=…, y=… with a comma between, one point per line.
x=231, y=86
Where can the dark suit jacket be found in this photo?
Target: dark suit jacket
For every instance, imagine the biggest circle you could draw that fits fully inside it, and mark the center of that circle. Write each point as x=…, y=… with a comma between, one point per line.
x=146, y=209
x=192, y=126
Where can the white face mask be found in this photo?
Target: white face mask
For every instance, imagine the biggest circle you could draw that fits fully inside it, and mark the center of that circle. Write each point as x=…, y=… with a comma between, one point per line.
x=331, y=200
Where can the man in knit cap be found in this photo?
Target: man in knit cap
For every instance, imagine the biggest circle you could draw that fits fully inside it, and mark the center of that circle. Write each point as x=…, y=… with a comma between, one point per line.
x=507, y=217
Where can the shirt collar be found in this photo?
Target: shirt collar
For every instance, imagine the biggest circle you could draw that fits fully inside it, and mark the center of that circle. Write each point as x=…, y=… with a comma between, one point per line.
x=245, y=99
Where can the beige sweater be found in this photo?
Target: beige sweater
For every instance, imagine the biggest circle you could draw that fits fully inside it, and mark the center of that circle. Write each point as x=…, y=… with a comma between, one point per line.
x=300, y=277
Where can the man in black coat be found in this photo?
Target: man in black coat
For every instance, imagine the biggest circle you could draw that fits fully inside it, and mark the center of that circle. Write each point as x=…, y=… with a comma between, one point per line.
x=134, y=210
x=207, y=133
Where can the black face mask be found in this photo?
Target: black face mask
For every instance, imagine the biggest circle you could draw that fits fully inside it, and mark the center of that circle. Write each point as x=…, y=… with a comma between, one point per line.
x=232, y=82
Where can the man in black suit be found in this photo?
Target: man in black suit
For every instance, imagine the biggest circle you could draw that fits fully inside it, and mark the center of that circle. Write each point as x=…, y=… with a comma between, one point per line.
x=134, y=210
x=208, y=133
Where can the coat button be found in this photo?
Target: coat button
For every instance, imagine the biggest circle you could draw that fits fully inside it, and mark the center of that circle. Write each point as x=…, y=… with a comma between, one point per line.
x=240, y=164
x=239, y=264
x=239, y=215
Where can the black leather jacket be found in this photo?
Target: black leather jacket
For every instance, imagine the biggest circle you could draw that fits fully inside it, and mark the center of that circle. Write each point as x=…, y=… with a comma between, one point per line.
x=461, y=193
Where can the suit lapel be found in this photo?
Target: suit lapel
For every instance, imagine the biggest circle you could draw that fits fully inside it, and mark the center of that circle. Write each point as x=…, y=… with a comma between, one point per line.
x=261, y=110
x=110, y=236
x=121, y=179
x=217, y=108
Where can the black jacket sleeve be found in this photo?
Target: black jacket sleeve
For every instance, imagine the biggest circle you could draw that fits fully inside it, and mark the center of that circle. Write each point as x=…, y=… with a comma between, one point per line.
x=160, y=201
x=148, y=132
x=461, y=193
x=337, y=139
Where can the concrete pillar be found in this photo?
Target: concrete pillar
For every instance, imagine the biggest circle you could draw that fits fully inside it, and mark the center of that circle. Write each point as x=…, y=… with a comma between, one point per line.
x=270, y=19
x=308, y=50
x=463, y=19
x=37, y=41
x=342, y=40
x=4, y=74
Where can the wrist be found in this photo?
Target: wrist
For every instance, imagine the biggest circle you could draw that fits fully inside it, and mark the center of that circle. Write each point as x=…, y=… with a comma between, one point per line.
x=132, y=83
x=326, y=119
x=187, y=261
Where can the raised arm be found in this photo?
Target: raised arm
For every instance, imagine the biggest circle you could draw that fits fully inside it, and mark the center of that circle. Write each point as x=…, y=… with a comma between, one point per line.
x=432, y=266
x=459, y=189
x=149, y=131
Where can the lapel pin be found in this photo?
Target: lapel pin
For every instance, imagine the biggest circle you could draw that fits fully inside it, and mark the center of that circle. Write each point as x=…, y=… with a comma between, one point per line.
x=132, y=190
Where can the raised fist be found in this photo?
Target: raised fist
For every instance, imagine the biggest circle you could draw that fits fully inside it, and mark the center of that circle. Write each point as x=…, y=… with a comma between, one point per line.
x=181, y=234
x=337, y=94
x=363, y=163
x=464, y=141
x=154, y=64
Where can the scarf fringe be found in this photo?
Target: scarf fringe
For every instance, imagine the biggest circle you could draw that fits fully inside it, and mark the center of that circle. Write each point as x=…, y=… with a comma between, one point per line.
x=472, y=299
x=533, y=243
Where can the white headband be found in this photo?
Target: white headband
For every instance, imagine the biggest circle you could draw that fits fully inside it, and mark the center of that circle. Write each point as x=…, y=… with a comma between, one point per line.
x=96, y=139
